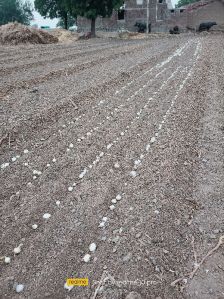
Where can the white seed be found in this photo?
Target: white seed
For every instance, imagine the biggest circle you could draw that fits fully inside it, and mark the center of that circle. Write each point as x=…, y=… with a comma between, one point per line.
x=46, y=216
x=68, y=150
x=101, y=154
x=58, y=203
x=19, y=288
x=109, y=146
x=14, y=159
x=54, y=160
x=17, y=157
x=112, y=207
x=92, y=247
x=147, y=147
x=133, y=173
x=137, y=162
x=156, y=212
x=26, y=151
x=116, y=165
x=7, y=259
x=71, y=145
x=70, y=189
x=34, y=177
x=118, y=197
x=86, y=258
x=114, y=200
x=34, y=226
x=122, y=133
x=105, y=219
x=17, y=250
x=102, y=224
x=48, y=165
x=82, y=174
x=4, y=165
x=153, y=139
x=69, y=288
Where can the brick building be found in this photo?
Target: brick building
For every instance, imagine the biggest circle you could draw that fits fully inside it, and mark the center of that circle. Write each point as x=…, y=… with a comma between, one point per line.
x=131, y=12
x=190, y=16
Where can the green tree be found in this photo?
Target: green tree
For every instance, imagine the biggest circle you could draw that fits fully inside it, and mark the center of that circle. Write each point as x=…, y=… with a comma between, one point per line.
x=185, y=2
x=91, y=9
x=54, y=9
x=15, y=10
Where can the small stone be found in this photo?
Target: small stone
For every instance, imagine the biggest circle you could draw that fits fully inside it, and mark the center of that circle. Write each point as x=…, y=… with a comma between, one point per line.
x=116, y=239
x=70, y=189
x=104, y=267
x=34, y=226
x=114, y=250
x=116, y=165
x=26, y=151
x=112, y=207
x=58, y=203
x=114, y=200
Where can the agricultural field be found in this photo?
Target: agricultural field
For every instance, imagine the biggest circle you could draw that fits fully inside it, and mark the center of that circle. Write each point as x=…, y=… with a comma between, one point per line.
x=111, y=155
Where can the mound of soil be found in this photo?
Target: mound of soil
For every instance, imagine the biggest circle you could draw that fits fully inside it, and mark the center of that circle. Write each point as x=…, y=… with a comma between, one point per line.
x=65, y=35
x=217, y=28
x=15, y=33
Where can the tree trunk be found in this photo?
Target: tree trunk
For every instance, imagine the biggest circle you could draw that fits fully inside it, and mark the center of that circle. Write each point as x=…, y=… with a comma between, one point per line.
x=93, y=27
x=66, y=21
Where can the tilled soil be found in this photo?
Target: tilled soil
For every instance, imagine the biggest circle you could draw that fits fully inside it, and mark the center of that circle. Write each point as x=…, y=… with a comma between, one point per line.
x=127, y=130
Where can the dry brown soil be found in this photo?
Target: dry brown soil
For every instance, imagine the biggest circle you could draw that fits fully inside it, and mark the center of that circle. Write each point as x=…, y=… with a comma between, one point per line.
x=86, y=122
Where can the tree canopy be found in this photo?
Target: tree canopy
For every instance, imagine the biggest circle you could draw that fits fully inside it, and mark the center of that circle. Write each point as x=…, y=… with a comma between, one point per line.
x=91, y=9
x=54, y=9
x=15, y=10
x=185, y=2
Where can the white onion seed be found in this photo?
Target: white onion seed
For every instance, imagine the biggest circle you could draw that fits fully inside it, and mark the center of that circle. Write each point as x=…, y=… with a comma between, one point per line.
x=19, y=288
x=92, y=247
x=7, y=259
x=46, y=216
x=86, y=258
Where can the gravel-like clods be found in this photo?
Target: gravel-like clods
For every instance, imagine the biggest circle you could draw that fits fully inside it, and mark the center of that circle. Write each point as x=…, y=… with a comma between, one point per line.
x=111, y=156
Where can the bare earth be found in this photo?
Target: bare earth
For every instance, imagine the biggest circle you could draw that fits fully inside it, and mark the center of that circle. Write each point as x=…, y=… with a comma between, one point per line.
x=128, y=130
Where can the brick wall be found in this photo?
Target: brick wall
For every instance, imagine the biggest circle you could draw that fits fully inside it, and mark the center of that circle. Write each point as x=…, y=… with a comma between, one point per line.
x=191, y=18
x=133, y=13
